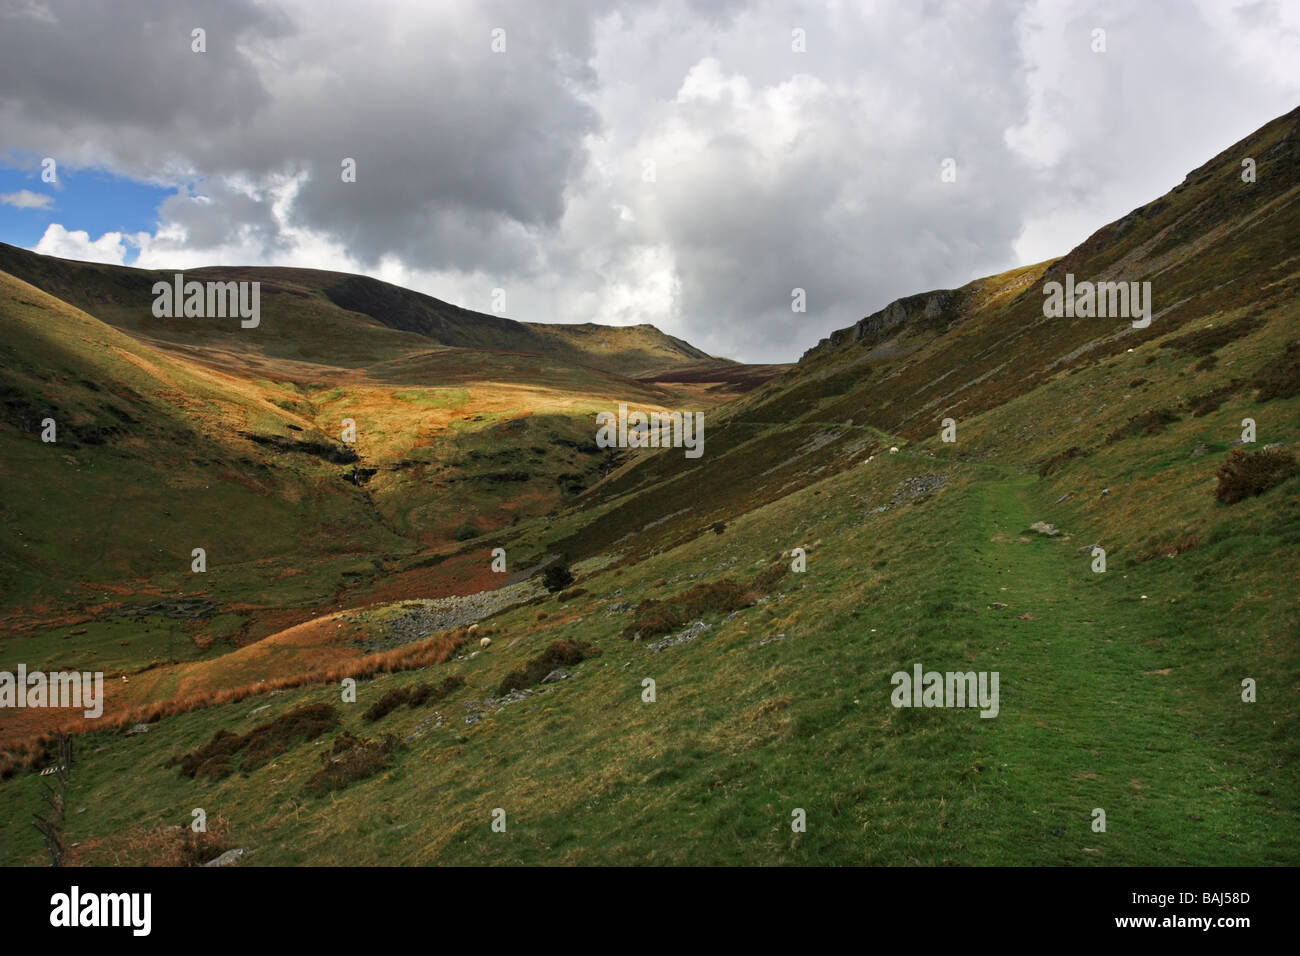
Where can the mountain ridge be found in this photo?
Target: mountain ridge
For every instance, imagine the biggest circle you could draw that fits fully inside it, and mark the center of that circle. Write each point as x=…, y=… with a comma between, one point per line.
x=122, y=296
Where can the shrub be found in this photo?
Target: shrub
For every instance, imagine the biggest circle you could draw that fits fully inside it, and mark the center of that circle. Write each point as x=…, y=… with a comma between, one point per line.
x=557, y=577
x=766, y=579
x=1244, y=474
x=351, y=759
x=216, y=759
x=430, y=694
x=265, y=743
x=1147, y=423
x=415, y=696
x=725, y=595
x=1057, y=461
x=1201, y=405
x=559, y=654
x=718, y=527
x=466, y=531
x=572, y=593
x=388, y=703
x=1280, y=378
x=1207, y=340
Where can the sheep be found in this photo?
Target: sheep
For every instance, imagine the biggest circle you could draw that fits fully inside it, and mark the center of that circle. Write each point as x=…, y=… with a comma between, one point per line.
x=893, y=450
x=485, y=643
x=472, y=629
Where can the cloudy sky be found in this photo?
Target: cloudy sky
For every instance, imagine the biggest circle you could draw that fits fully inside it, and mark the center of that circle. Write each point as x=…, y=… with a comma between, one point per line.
x=686, y=163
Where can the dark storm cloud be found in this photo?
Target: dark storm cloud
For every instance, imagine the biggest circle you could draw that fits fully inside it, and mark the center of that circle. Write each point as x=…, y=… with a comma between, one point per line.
x=773, y=169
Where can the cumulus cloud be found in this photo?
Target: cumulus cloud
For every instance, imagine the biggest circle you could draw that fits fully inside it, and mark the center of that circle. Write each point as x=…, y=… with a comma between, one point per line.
x=666, y=161
x=109, y=248
x=26, y=199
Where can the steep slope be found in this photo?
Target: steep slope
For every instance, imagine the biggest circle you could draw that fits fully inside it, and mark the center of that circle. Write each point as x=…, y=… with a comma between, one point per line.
x=1215, y=249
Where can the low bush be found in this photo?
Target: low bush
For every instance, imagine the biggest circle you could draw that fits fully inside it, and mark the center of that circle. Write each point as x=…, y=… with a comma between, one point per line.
x=654, y=617
x=1202, y=405
x=1057, y=461
x=431, y=693
x=1208, y=340
x=559, y=654
x=349, y=760
x=1280, y=378
x=217, y=758
x=266, y=742
x=1245, y=474
x=388, y=703
x=1147, y=423
x=557, y=578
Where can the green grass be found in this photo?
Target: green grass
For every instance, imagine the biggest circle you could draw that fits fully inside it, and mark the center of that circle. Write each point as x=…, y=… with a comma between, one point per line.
x=741, y=736
x=433, y=397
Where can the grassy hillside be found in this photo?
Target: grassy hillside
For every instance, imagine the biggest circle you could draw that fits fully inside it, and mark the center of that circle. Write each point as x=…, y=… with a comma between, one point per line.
x=230, y=440
x=1120, y=689
x=311, y=315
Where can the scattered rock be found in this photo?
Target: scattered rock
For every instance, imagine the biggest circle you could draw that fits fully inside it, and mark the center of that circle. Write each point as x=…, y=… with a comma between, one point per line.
x=690, y=634
x=258, y=710
x=768, y=640
x=556, y=676
x=916, y=487
x=996, y=606
x=1068, y=494
x=174, y=607
x=229, y=857
x=437, y=720
x=1042, y=527
x=138, y=729
x=1105, y=492
x=413, y=621
x=1200, y=449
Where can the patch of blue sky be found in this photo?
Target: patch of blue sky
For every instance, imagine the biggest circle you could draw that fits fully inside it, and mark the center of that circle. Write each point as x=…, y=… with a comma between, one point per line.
x=90, y=200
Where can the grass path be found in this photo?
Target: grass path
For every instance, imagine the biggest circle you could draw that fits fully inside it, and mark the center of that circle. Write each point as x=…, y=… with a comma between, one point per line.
x=1092, y=716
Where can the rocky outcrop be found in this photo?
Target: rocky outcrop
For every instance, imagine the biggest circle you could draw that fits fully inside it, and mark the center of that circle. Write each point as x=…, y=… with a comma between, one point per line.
x=928, y=309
